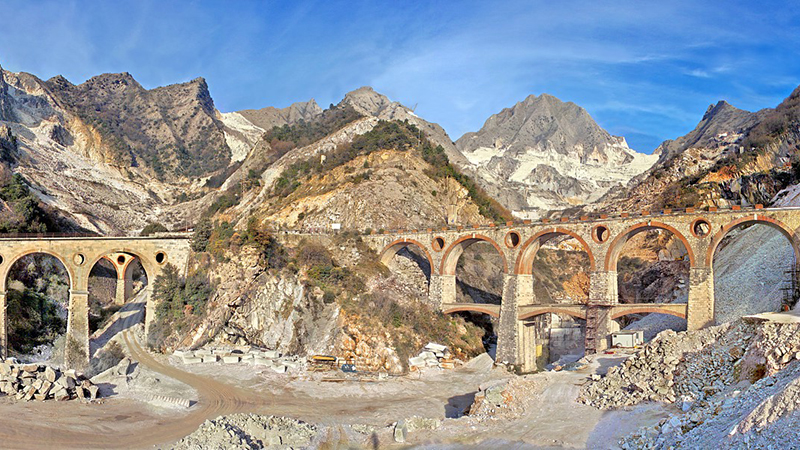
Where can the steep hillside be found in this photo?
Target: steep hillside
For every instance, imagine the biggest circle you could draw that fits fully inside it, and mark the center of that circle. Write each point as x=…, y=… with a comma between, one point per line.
x=543, y=154
x=731, y=157
x=109, y=154
x=173, y=129
x=367, y=174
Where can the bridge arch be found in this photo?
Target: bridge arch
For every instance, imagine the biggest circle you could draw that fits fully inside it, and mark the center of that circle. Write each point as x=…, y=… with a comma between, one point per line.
x=616, y=246
x=527, y=254
x=621, y=312
x=578, y=314
x=390, y=250
x=756, y=219
x=6, y=265
x=474, y=307
x=150, y=266
x=453, y=253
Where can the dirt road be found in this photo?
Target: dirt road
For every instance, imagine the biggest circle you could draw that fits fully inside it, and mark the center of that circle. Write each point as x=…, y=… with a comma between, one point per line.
x=554, y=420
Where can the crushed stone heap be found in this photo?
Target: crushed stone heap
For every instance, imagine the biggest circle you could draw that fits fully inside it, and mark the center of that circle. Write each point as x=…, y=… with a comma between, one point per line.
x=250, y=431
x=39, y=382
x=694, y=366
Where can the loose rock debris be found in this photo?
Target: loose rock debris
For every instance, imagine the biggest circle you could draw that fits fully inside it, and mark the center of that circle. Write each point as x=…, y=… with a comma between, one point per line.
x=40, y=382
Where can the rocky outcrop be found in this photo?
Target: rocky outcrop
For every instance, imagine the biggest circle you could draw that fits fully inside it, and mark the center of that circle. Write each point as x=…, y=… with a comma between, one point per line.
x=171, y=129
x=269, y=117
x=721, y=125
x=545, y=154
x=373, y=104
x=275, y=311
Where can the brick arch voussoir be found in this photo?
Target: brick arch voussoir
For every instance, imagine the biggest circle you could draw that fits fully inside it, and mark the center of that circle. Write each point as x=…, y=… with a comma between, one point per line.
x=539, y=312
x=471, y=309
x=777, y=224
x=642, y=310
x=402, y=243
x=521, y=267
x=622, y=238
x=470, y=237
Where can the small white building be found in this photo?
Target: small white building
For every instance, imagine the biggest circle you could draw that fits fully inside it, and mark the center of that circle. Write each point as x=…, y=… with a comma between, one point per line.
x=627, y=338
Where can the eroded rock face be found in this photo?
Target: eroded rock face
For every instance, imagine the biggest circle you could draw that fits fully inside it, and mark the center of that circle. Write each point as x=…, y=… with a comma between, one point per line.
x=269, y=310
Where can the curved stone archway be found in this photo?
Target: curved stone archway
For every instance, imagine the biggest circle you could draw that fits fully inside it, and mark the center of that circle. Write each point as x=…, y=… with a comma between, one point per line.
x=757, y=219
x=616, y=246
x=648, y=310
x=478, y=307
x=391, y=250
x=6, y=265
x=528, y=251
x=576, y=312
x=453, y=253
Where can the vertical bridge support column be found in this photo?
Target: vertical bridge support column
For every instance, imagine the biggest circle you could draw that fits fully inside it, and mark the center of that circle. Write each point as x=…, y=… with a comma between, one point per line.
x=509, y=329
x=526, y=332
x=3, y=326
x=442, y=289
x=76, y=351
x=599, y=324
x=701, y=298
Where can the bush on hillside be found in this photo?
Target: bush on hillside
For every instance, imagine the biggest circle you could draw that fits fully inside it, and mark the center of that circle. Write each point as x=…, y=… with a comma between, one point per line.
x=180, y=303
x=153, y=228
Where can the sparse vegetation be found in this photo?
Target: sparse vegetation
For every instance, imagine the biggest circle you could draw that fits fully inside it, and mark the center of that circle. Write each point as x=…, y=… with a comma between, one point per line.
x=390, y=135
x=153, y=228
x=27, y=214
x=285, y=138
x=33, y=320
x=181, y=303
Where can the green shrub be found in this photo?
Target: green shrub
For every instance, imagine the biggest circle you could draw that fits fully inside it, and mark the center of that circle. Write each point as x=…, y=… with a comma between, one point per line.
x=180, y=302
x=153, y=228
x=33, y=320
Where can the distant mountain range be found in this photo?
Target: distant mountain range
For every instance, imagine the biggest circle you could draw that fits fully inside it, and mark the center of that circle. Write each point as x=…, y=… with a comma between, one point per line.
x=113, y=156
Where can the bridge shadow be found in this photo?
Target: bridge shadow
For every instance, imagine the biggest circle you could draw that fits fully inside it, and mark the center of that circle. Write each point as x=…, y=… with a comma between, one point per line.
x=127, y=317
x=477, y=295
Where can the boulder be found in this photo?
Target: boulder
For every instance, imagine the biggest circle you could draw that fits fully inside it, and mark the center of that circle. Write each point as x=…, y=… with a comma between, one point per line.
x=400, y=431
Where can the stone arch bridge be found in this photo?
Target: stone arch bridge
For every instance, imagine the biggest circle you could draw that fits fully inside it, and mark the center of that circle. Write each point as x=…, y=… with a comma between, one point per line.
x=79, y=255
x=602, y=238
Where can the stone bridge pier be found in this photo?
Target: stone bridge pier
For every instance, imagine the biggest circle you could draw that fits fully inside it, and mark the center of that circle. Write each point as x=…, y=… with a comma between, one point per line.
x=79, y=255
x=603, y=239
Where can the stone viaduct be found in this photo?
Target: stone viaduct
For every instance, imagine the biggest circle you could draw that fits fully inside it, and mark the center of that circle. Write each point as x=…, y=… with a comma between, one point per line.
x=78, y=256
x=603, y=239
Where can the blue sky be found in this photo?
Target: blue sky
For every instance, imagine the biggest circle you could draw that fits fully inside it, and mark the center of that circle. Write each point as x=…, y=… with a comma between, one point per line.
x=644, y=70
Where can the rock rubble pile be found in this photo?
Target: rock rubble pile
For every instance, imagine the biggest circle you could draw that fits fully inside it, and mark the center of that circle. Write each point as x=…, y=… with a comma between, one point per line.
x=736, y=385
x=250, y=431
x=39, y=382
x=433, y=355
x=693, y=366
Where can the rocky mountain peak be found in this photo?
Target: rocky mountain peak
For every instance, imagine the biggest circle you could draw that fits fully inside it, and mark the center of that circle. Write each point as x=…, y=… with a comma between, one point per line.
x=5, y=109
x=543, y=153
x=722, y=124
x=266, y=118
x=368, y=102
x=722, y=107
x=544, y=123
